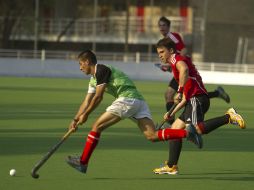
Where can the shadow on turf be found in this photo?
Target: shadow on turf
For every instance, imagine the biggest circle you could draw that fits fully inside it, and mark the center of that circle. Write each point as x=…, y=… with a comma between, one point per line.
x=181, y=178
x=45, y=111
x=232, y=175
x=200, y=176
x=46, y=89
x=32, y=141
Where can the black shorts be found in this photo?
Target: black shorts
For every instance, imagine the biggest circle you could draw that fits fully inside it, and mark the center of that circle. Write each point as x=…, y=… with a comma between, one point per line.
x=173, y=84
x=195, y=109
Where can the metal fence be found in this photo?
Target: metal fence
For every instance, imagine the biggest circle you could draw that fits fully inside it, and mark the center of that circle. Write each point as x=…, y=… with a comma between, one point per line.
x=70, y=55
x=134, y=58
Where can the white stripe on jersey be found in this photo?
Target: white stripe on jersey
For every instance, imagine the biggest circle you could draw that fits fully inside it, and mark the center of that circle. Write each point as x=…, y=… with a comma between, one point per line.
x=173, y=38
x=193, y=78
x=173, y=59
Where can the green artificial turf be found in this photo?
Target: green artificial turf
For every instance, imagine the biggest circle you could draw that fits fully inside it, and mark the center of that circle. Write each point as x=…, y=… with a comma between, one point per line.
x=35, y=114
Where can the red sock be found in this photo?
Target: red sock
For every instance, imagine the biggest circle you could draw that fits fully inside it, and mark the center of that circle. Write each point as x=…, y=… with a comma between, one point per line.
x=166, y=134
x=91, y=142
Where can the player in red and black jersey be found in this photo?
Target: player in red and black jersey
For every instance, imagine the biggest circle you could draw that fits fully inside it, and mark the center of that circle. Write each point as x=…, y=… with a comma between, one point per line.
x=192, y=97
x=164, y=27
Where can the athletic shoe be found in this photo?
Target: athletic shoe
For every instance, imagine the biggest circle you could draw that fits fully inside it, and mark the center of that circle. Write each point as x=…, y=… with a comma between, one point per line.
x=166, y=169
x=222, y=94
x=193, y=136
x=235, y=118
x=74, y=161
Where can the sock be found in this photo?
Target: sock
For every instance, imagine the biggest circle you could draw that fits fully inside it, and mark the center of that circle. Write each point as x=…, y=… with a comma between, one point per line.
x=213, y=94
x=175, y=147
x=91, y=142
x=212, y=124
x=166, y=134
x=168, y=107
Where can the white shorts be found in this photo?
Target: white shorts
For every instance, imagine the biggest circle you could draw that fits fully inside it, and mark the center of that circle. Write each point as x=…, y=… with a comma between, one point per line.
x=129, y=108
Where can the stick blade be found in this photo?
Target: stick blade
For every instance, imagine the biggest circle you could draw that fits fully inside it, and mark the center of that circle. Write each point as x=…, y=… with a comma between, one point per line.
x=34, y=174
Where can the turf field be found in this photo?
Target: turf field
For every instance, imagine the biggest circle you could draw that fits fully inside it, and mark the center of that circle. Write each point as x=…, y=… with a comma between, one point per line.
x=35, y=113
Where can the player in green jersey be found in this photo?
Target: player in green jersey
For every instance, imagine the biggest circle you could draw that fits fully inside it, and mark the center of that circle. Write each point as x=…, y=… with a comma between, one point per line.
x=129, y=103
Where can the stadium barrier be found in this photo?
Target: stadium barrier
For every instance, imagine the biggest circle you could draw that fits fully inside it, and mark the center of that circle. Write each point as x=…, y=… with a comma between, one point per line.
x=136, y=57
x=143, y=71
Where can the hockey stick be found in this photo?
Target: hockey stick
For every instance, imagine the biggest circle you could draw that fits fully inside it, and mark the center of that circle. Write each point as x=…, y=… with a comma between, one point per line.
x=160, y=66
x=49, y=153
x=158, y=127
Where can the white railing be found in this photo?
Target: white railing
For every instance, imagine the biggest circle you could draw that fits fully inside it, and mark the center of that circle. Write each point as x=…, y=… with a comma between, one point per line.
x=225, y=67
x=120, y=57
x=71, y=55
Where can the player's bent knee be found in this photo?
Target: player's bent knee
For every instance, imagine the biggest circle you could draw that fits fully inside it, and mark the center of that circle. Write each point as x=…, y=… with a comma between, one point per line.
x=97, y=128
x=170, y=93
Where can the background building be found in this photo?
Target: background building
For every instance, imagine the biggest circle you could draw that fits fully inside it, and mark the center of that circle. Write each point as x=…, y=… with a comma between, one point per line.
x=214, y=31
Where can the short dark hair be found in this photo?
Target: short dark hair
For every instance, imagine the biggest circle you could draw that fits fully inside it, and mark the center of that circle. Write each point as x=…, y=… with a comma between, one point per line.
x=88, y=55
x=167, y=43
x=165, y=20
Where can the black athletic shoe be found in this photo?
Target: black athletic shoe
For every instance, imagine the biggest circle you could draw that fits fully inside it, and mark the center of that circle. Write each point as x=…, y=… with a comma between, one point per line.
x=223, y=95
x=74, y=161
x=193, y=136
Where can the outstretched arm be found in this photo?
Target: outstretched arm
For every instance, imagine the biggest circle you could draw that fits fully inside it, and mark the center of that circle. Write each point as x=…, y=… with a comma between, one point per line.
x=82, y=107
x=179, y=106
x=183, y=73
x=179, y=99
x=95, y=101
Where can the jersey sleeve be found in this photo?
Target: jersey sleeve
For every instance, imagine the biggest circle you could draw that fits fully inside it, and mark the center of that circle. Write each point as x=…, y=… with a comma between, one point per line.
x=180, y=45
x=91, y=90
x=179, y=58
x=103, y=74
x=91, y=86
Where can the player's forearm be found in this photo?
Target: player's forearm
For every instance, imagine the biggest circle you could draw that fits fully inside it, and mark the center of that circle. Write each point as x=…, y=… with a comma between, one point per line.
x=96, y=100
x=179, y=106
x=183, y=76
x=84, y=105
